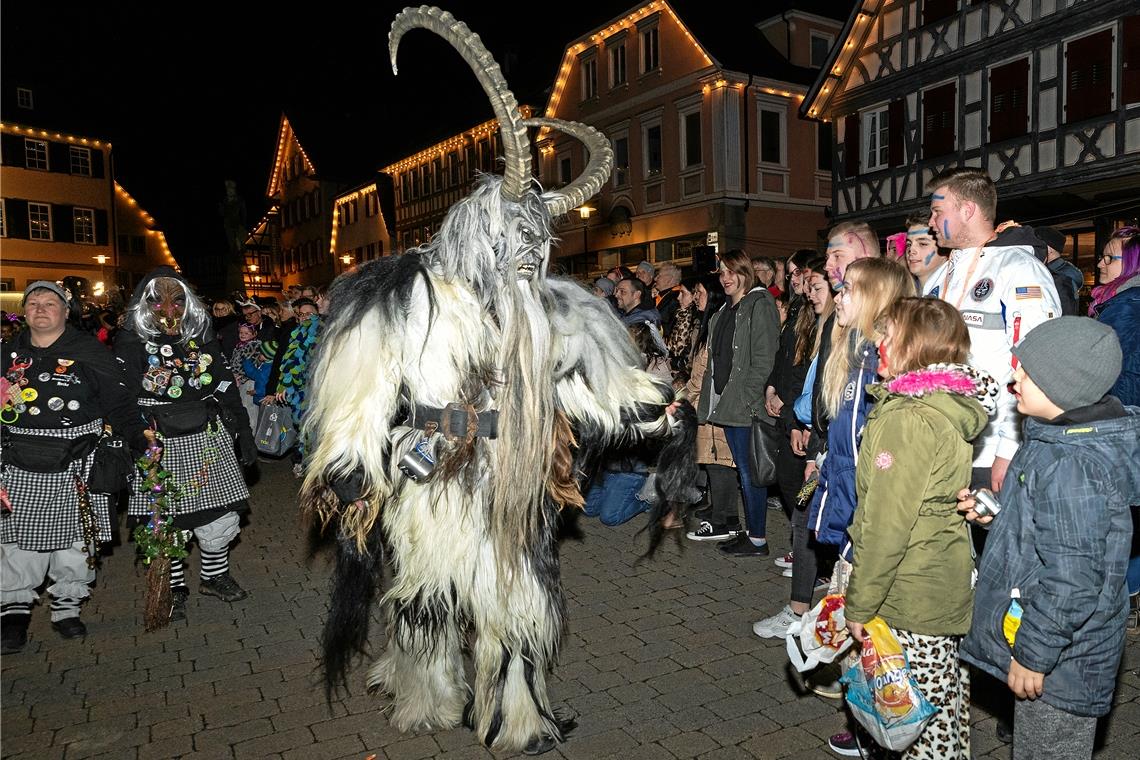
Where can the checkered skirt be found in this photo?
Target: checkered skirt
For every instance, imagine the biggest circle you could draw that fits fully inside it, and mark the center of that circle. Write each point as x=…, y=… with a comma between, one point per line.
x=45, y=505
x=203, y=465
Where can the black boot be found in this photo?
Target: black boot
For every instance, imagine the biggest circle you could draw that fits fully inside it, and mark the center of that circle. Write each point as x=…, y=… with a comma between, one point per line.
x=14, y=632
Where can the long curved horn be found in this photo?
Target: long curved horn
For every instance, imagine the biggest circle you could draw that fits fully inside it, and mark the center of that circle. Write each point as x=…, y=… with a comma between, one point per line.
x=516, y=144
x=597, y=171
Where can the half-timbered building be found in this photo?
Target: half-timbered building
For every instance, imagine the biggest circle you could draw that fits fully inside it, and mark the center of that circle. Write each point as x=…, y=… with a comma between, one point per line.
x=1042, y=94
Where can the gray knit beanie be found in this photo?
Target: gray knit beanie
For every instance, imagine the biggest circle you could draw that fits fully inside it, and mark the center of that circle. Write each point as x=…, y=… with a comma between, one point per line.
x=1073, y=360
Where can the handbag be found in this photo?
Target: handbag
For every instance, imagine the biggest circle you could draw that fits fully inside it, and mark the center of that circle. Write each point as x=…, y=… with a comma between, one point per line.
x=113, y=465
x=276, y=433
x=764, y=442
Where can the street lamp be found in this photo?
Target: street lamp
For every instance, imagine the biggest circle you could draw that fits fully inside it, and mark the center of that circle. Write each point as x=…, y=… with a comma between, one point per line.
x=102, y=259
x=585, y=212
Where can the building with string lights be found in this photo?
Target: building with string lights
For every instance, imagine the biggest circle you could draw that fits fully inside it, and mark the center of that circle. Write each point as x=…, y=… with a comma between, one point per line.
x=701, y=112
x=63, y=215
x=428, y=182
x=1044, y=96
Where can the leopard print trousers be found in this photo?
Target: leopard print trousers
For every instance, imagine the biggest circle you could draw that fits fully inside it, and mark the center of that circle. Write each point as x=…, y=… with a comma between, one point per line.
x=945, y=682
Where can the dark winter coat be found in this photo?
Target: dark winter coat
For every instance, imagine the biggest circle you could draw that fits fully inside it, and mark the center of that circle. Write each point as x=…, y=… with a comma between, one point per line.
x=1062, y=541
x=1122, y=314
x=754, y=343
x=833, y=503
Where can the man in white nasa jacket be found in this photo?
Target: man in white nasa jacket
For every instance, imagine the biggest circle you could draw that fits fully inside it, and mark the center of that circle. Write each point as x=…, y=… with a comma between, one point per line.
x=1000, y=288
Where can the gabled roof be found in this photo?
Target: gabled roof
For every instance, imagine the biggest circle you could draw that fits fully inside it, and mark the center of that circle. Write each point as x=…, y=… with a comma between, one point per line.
x=340, y=148
x=736, y=45
x=847, y=49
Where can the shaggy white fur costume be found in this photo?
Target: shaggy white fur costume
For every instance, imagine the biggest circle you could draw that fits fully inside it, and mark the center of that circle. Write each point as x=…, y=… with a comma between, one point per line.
x=470, y=319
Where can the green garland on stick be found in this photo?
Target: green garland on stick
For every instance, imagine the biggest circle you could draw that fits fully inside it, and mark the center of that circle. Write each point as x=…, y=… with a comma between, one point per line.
x=158, y=541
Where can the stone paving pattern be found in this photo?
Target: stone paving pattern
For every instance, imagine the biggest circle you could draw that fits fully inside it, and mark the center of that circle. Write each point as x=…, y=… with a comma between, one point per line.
x=659, y=662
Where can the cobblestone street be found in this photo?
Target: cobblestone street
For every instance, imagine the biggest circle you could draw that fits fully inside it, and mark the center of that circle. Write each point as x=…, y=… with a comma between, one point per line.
x=659, y=661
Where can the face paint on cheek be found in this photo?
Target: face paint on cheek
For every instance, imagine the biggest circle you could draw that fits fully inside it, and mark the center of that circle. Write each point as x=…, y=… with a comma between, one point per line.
x=946, y=229
x=930, y=257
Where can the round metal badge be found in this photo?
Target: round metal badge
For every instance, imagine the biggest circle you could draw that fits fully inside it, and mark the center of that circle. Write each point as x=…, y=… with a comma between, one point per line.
x=45, y=376
x=166, y=350
x=29, y=394
x=55, y=403
x=151, y=348
x=174, y=391
x=33, y=410
x=206, y=378
x=73, y=405
x=982, y=289
x=153, y=361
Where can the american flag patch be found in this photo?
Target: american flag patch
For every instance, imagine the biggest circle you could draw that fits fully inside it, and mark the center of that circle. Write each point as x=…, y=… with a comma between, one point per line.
x=1033, y=291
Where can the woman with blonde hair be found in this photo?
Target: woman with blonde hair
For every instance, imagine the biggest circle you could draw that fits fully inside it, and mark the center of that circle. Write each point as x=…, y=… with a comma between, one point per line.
x=868, y=288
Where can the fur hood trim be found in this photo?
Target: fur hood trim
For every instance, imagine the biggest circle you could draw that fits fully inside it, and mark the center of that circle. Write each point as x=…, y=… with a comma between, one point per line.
x=958, y=379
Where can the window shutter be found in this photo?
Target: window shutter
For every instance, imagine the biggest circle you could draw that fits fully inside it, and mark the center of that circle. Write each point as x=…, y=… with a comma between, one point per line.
x=100, y=227
x=938, y=120
x=62, y=225
x=1088, y=85
x=97, y=163
x=1009, y=100
x=59, y=158
x=851, y=145
x=16, y=218
x=1130, y=73
x=896, y=125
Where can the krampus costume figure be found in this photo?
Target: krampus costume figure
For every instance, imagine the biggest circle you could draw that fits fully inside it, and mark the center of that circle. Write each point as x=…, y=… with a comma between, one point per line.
x=447, y=395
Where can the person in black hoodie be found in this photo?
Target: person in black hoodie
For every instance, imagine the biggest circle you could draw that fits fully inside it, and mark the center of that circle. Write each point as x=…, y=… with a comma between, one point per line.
x=60, y=391
x=181, y=377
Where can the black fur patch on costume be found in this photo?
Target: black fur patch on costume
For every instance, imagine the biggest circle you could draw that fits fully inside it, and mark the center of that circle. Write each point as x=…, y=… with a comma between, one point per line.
x=676, y=473
x=386, y=283
x=354, y=583
x=417, y=626
x=500, y=685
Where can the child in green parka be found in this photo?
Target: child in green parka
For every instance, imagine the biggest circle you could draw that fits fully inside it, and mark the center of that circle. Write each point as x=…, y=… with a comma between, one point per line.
x=912, y=558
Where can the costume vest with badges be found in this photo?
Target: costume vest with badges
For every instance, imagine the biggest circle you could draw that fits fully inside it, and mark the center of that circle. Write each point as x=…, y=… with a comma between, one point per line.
x=45, y=388
x=178, y=372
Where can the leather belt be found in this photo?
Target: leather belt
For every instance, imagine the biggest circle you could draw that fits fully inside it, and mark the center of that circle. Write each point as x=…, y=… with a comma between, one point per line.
x=456, y=421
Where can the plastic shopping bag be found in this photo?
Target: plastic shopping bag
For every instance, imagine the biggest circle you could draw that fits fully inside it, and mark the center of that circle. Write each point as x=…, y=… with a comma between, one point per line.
x=882, y=693
x=276, y=433
x=819, y=636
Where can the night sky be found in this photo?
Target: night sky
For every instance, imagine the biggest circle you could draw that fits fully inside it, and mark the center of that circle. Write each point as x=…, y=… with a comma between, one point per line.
x=191, y=93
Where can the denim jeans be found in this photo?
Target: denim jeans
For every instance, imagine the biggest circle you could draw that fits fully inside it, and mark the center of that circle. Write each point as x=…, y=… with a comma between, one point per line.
x=755, y=499
x=613, y=497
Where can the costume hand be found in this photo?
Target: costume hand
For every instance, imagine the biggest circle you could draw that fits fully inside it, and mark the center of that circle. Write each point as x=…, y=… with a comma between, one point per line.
x=856, y=630
x=997, y=473
x=966, y=503
x=1023, y=682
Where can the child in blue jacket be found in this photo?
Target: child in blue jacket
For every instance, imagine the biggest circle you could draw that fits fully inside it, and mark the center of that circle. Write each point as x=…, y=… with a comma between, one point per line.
x=1050, y=604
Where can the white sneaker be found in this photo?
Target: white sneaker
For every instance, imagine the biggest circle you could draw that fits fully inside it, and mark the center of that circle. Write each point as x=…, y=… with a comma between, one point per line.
x=785, y=561
x=775, y=627
x=786, y=572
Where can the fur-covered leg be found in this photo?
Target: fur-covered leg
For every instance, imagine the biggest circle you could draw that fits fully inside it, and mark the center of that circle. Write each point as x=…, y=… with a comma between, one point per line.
x=422, y=668
x=518, y=626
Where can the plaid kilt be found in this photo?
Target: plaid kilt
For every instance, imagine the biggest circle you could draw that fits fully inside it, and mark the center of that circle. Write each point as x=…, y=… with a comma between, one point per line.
x=205, y=484
x=45, y=505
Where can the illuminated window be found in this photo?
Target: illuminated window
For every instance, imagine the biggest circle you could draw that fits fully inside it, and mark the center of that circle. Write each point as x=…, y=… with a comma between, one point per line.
x=39, y=221
x=83, y=225
x=80, y=161
x=876, y=139
x=35, y=154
